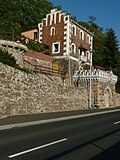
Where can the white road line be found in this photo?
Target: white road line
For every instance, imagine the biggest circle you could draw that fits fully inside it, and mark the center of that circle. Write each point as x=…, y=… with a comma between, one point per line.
x=116, y=122
x=36, y=148
x=24, y=124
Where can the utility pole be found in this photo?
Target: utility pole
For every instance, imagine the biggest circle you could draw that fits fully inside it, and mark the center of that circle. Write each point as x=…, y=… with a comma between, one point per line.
x=69, y=71
x=90, y=93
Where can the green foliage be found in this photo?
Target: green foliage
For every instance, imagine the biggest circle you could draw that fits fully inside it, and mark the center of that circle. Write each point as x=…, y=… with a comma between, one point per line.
x=110, y=48
x=35, y=46
x=32, y=45
x=19, y=15
x=23, y=69
x=58, y=7
x=105, y=47
x=98, y=40
x=8, y=59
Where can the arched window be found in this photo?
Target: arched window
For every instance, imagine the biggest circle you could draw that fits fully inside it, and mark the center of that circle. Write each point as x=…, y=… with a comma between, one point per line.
x=88, y=55
x=88, y=39
x=52, y=31
x=74, y=30
x=81, y=35
x=73, y=48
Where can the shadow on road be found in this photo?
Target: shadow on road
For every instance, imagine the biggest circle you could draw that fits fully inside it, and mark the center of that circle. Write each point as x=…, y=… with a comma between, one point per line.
x=89, y=151
x=113, y=153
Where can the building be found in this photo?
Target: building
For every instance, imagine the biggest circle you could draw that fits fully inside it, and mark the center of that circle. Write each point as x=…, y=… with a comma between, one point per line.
x=66, y=39
x=72, y=44
x=31, y=34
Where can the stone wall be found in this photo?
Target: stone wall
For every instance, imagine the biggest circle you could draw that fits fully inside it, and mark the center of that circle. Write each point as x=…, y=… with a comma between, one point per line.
x=102, y=85
x=17, y=50
x=31, y=62
x=104, y=94
x=117, y=99
x=21, y=93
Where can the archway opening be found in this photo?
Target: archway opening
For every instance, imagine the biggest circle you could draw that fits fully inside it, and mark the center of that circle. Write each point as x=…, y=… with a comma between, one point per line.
x=107, y=97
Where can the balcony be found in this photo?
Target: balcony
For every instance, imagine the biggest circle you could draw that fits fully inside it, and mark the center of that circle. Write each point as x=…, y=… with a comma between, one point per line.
x=83, y=58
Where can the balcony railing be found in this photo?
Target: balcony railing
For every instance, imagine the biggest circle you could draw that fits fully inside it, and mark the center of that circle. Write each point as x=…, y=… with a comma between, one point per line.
x=96, y=75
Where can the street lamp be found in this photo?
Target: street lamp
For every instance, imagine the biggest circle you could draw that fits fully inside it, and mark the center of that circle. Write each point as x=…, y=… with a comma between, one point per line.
x=90, y=92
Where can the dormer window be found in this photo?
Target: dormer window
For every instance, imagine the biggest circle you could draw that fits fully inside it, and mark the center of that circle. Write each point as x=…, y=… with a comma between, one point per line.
x=52, y=31
x=73, y=30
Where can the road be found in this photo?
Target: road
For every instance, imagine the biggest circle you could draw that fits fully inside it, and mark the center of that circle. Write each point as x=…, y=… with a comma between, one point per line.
x=82, y=138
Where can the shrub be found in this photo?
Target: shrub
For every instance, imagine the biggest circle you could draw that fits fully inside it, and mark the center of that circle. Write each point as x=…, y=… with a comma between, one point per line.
x=8, y=59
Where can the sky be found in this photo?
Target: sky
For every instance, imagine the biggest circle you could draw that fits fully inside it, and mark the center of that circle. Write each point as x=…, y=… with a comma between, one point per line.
x=107, y=12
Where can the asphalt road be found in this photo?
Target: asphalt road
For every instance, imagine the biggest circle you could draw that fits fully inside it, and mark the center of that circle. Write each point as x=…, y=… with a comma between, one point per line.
x=92, y=137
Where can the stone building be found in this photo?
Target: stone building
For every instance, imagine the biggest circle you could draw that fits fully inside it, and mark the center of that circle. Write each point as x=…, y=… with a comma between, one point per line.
x=67, y=40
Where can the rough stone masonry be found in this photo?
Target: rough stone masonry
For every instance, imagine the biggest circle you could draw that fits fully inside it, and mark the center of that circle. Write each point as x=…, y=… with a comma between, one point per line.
x=22, y=93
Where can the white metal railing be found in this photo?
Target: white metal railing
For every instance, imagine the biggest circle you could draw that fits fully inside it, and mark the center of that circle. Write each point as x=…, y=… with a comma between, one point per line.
x=106, y=76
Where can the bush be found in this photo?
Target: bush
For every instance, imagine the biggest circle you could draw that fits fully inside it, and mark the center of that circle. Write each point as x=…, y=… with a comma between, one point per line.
x=35, y=46
x=8, y=59
x=23, y=69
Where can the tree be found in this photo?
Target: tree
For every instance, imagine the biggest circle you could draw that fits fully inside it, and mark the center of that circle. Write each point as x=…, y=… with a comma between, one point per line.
x=105, y=48
x=21, y=15
x=92, y=19
x=110, y=49
x=98, y=40
x=93, y=24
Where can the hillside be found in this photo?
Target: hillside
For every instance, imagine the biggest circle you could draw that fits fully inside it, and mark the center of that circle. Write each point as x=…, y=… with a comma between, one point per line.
x=21, y=15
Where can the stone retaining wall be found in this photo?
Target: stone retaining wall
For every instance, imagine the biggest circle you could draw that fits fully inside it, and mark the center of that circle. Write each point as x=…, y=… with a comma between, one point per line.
x=117, y=99
x=21, y=93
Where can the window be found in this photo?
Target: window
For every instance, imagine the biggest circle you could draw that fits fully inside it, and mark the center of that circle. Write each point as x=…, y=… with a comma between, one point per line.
x=35, y=35
x=52, y=31
x=74, y=30
x=88, y=39
x=85, y=53
x=56, y=47
x=73, y=48
x=80, y=51
x=88, y=55
x=81, y=35
x=53, y=18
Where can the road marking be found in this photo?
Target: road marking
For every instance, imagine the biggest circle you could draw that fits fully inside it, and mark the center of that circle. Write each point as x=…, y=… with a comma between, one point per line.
x=24, y=124
x=36, y=148
x=117, y=122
